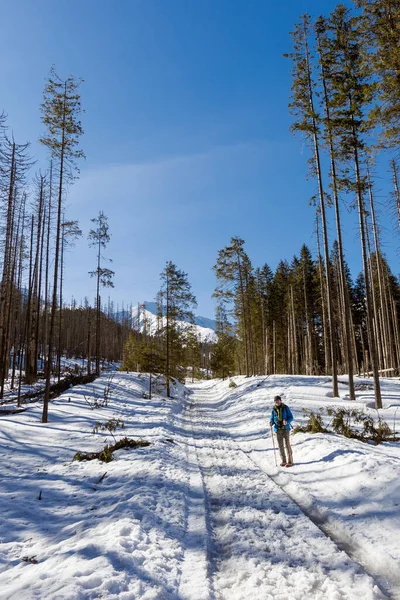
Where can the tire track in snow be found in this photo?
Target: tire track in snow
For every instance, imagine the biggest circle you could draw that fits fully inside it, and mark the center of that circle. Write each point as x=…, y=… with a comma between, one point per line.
x=381, y=571
x=195, y=581
x=385, y=571
x=219, y=477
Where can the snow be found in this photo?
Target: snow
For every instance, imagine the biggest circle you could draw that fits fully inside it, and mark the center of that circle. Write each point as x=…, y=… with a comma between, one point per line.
x=202, y=513
x=149, y=321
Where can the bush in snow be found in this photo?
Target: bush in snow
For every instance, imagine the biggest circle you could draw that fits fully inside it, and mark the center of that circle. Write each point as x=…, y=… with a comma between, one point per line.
x=111, y=426
x=342, y=423
x=350, y=423
x=314, y=424
x=105, y=455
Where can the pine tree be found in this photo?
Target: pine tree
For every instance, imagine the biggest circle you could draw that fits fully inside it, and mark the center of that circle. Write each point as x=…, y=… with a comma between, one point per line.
x=235, y=288
x=309, y=291
x=61, y=109
x=360, y=321
x=303, y=107
x=396, y=191
x=223, y=353
x=345, y=314
x=350, y=92
x=175, y=300
x=381, y=31
x=264, y=278
x=99, y=238
x=192, y=351
x=279, y=314
x=69, y=233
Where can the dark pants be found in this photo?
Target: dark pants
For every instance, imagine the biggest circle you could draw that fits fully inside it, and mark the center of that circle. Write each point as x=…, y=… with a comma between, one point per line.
x=284, y=434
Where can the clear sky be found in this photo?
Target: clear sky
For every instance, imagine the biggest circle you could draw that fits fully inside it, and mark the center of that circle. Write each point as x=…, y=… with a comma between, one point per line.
x=186, y=132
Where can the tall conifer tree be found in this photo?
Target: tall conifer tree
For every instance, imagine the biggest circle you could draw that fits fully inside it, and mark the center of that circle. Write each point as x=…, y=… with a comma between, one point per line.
x=61, y=111
x=176, y=302
x=304, y=108
x=99, y=238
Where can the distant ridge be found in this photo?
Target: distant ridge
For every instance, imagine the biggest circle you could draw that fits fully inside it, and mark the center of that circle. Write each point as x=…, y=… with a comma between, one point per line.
x=204, y=327
x=201, y=321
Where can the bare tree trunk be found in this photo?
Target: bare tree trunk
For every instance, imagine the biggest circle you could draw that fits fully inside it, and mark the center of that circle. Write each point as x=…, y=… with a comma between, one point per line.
x=242, y=297
x=343, y=282
x=19, y=303
x=5, y=287
x=324, y=325
x=361, y=214
x=89, y=342
x=289, y=343
x=384, y=312
x=98, y=309
x=39, y=297
x=396, y=189
x=395, y=318
x=376, y=323
x=29, y=375
x=56, y=264
x=308, y=340
x=295, y=346
x=274, y=346
x=46, y=285
x=12, y=299
x=17, y=276
x=33, y=342
x=264, y=339
x=59, y=349
x=317, y=160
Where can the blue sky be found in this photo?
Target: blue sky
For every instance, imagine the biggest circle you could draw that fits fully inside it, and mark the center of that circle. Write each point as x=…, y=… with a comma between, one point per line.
x=186, y=132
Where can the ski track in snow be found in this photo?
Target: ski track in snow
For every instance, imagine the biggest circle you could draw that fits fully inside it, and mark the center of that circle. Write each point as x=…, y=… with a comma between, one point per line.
x=200, y=514
x=195, y=583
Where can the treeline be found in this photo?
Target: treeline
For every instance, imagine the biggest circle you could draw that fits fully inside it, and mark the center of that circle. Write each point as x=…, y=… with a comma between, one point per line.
x=276, y=322
x=35, y=328
x=171, y=347
x=78, y=334
x=306, y=317
x=346, y=103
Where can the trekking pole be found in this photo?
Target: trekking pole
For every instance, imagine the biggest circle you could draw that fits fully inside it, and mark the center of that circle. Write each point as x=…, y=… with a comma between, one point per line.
x=262, y=381
x=273, y=443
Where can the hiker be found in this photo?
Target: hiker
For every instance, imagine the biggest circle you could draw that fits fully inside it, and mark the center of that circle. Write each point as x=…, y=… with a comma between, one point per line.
x=281, y=417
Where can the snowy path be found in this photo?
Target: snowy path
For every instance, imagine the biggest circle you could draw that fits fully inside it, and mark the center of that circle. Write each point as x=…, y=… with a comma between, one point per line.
x=202, y=513
x=195, y=583
x=263, y=546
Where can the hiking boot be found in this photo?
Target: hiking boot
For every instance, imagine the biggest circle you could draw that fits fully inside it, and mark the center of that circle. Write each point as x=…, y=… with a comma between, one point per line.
x=289, y=464
x=283, y=464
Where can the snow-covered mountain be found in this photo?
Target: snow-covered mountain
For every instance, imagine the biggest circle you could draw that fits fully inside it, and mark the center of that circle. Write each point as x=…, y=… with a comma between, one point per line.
x=147, y=318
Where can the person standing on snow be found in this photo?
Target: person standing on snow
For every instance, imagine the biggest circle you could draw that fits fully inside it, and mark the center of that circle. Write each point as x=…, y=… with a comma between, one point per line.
x=281, y=417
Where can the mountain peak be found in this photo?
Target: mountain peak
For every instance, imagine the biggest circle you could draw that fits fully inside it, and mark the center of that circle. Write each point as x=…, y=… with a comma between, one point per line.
x=147, y=317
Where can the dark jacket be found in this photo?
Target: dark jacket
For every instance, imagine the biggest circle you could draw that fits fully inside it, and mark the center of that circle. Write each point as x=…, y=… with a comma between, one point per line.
x=286, y=414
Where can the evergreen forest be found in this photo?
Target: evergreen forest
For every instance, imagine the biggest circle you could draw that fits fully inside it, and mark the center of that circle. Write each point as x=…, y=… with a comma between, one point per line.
x=308, y=315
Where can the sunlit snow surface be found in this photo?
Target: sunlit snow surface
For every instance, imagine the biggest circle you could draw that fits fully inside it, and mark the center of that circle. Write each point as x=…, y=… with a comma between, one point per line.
x=202, y=513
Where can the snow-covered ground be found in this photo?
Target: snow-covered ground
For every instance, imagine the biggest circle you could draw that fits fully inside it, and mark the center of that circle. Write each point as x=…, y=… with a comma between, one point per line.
x=202, y=513
x=69, y=366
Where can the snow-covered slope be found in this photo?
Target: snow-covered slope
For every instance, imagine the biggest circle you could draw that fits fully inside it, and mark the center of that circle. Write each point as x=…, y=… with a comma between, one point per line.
x=147, y=318
x=202, y=513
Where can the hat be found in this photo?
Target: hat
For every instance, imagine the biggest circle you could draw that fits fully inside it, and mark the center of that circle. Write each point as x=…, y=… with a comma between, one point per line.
x=277, y=398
